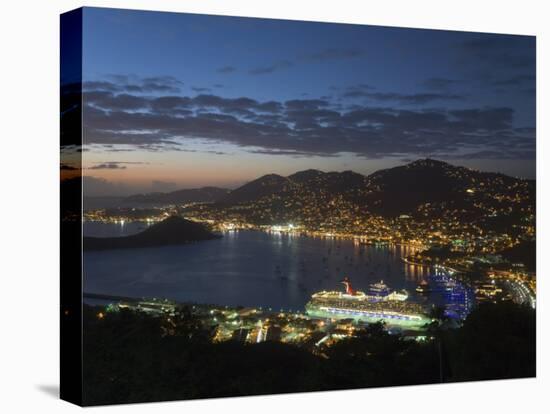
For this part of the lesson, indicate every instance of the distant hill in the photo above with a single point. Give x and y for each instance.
(192, 195)
(264, 186)
(424, 189)
(402, 189)
(306, 176)
(390, 192)
(296, 185)
(198, 195)
(171, 231)
(97, 202)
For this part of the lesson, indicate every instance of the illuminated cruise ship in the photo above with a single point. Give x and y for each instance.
(394, 309)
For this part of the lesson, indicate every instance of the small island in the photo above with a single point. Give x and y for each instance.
(171, 231)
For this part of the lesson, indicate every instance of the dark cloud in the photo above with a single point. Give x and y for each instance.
(491, 155)
(225, 103)
(169, 80)
(134, 84)
(226, 69)
(517, 80)
(302, 127)
(485, 119)
(102, 86)
(111, 101)
(174, 104)
(364, 91)
(262, 70)
(66, 167)
(114, 165)
(413, 99)
(294, 154)
(305, 104)
(234, 105)
(108, 166)
(180, 149)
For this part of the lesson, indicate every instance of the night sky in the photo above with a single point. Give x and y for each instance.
(179, 101)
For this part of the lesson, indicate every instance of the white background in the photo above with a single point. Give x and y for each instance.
(29, 235)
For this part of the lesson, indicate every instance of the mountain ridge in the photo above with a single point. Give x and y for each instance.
(387, 192)
(207, 194)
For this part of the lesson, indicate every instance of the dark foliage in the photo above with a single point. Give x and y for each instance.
(524, 252)
(496, 342)
(133, 357)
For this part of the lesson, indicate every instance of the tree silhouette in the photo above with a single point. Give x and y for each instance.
(135, 357)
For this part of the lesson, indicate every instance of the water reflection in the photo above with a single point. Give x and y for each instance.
(416, 273)
(117, 229)
(249, 268)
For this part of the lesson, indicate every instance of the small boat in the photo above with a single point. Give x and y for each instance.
(423, 288)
